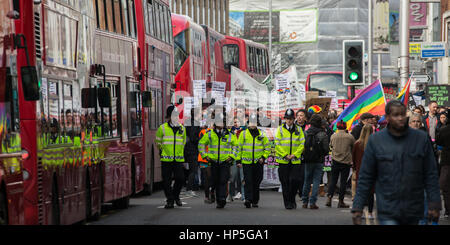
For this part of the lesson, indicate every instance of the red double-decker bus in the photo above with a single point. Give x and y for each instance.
(215, 72)
(249, 56)
(329, 81)
(11, 124)
(189, 53)
(155, 40)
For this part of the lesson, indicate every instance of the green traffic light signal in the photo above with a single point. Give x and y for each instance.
(353, 76)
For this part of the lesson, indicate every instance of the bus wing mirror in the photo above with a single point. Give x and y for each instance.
(146, 99)
(180, 100)
(104, 97)
(88, 98)
(30, 83)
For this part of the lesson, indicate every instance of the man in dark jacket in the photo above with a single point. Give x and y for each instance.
(365, 118)
(443, 139)
(399, 161)
(315, 135)
(191, 150)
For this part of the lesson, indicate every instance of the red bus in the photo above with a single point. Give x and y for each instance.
(249, 56)
(190, 53)
(84, 134)
(329, 81)
(11, 124)
(156, 69)
(215, 72)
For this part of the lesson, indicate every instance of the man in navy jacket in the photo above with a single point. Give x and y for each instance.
(399, 161)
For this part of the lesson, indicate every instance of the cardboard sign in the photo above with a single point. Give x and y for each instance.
(323, 103)
(312, 94)
(439, 93)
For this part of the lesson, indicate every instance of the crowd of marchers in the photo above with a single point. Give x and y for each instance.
(401, 161)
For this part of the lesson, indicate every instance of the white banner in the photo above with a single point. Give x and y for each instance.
(199, 88)
(298, 25)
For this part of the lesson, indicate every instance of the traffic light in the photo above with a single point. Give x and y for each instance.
(352, 62)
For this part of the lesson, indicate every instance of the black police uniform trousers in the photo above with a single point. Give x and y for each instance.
(220, 173)
(174, 169)
(289, 175)
(253, 175)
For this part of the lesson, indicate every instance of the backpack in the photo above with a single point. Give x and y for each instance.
(313, 152)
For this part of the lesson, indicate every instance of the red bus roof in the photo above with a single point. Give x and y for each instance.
(325, 72)
(183, 22)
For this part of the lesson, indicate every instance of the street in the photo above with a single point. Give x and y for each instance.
(149, 210)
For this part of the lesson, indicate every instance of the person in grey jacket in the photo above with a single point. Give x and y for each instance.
(399, 161)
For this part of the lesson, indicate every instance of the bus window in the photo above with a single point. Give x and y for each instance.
(67, 109)
(212, 51)
(146, 17)
(150, 17)
(125, 15)
(132, 18)
(328, 82)
(157, 21)
(53, 110)
(153, 121)
(118, 17)
(169, 26)
(151, 62)
(230, 56)
(163, 23)
(181, 43)
(109, 15)
(134, 108)
(100, 13)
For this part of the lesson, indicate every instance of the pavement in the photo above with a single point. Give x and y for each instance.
(149, 210)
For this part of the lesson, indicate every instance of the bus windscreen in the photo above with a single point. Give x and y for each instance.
(328, 82)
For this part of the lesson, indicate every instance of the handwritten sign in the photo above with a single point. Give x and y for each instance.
(439, 93)
(323, 103)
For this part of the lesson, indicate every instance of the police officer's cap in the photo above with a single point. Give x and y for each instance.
(289, 114)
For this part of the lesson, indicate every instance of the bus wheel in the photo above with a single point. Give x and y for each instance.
(122, 203)
(55, 204)
(3, 208)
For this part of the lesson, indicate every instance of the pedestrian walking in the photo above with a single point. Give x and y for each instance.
(191, 151)
(302, 118)
(341, 144)
(316, 147)
(366, 118)
(254, 149)
(205, 170)
(357, 155)
(222, 150)
(443, 140)
(430, 119)
(171, 139)
(400, 171)
(236, 183)
(289, 145)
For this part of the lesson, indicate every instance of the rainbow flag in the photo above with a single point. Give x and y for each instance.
(371, 99)
(403, 96)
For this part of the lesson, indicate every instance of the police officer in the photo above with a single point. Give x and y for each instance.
(171, 138)
(222, 149)
(289, 145)
(253, 150)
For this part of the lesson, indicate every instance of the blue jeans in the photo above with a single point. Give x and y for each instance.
(237, 177)
(313, 174)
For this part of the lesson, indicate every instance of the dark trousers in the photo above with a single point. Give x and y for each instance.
(220, 173)
(175, 169)
(206, 180)
(444, 182)
(339, 169)
(253, 175)
(193, 169)
(370, 201)
(289, 175)
(302, 179)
